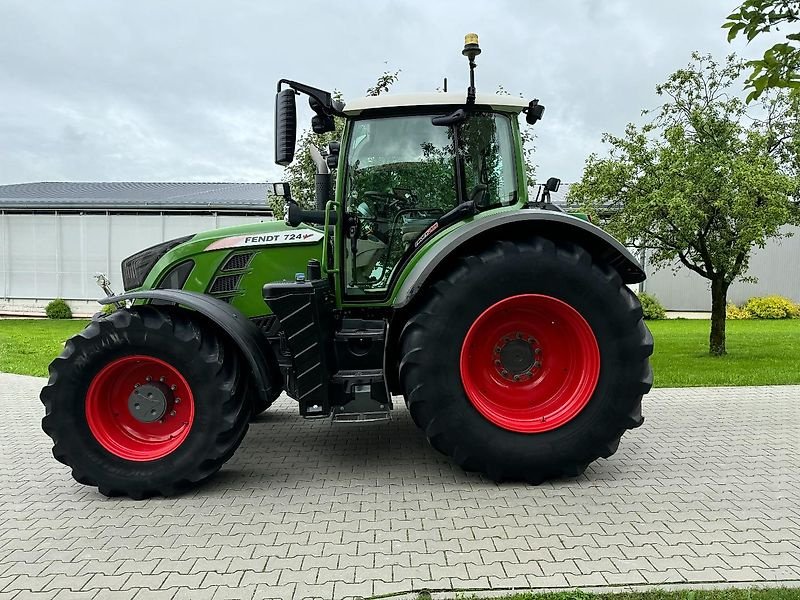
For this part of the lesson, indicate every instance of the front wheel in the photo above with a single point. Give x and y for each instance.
(526, 361)
(145, 401)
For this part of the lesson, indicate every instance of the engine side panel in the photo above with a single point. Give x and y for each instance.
(232, 264)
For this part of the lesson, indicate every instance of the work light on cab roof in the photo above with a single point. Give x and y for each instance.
(429, 272)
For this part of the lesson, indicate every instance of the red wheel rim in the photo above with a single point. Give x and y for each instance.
(530, 363)
(128, 423)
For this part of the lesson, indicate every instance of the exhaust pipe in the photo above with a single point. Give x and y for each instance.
(322, 180)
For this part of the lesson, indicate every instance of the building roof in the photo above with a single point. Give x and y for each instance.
(139, 196)
(501, 102)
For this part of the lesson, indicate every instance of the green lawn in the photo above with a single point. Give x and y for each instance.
(760, 352)
(721, 594)
(28, 345)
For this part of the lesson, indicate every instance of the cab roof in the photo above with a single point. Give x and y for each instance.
(498, 102)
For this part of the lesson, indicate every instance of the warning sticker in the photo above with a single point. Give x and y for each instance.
(297, 236)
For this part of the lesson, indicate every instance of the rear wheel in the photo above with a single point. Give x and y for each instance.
(144, 402)
(526, 361)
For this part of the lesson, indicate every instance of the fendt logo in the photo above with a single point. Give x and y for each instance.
(260, 239)
(300, 236)
(278, 237)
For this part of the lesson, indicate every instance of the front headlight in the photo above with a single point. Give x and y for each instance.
(136, 267)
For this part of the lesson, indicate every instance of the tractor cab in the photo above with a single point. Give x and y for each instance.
(407, 176)
(409, 166)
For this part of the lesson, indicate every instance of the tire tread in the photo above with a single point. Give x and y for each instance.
(421, 398)
(221, 360)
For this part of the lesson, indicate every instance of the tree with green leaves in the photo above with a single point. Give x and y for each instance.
(703, 183)
(780, 65)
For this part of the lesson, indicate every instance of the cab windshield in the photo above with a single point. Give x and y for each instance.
(403, 173)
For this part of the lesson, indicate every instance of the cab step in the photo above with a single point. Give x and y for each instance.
(366, 391)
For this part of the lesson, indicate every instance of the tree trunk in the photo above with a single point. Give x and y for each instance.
(719, 303)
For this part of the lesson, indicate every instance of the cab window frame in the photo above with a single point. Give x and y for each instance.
(351, 295)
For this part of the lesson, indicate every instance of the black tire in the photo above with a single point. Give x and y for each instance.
(431, 343)
(208, 365)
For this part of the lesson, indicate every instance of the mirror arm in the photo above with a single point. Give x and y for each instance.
(325, 99)
(459, 116)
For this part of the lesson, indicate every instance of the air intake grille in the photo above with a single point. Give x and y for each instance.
(225, 284)
(237, 262)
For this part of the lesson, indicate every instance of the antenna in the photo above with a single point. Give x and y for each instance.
(471, 50)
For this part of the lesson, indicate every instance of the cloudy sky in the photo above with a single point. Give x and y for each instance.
(182, 90)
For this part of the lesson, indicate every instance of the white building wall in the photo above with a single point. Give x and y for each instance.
(776, 266)
(45, 256)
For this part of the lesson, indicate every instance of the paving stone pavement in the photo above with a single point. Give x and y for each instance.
(708, 490)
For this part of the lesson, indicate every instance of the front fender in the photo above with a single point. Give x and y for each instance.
(231, 322)
(516, 224)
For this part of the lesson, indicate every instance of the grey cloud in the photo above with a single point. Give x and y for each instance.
(182, 90)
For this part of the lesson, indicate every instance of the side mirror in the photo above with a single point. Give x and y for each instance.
(282, 190)
(534, 112)
(285, 126)
(552, 184)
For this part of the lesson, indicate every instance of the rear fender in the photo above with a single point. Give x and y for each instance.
(512, 225)
(519, 224)
(231, 323)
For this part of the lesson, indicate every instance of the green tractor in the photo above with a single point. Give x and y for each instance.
(506, 324)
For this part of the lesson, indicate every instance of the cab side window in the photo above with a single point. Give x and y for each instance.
(487, 153)
(400, 179)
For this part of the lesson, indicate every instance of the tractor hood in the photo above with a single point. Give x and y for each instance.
(233, 263)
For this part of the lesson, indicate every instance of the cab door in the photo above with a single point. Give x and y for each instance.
(399, 179)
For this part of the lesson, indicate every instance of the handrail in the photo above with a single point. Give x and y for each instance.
(329, 205)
